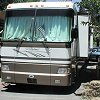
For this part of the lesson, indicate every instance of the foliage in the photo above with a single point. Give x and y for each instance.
(93, 9)
(3, 4)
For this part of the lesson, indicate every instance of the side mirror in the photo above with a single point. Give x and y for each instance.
(74, 33)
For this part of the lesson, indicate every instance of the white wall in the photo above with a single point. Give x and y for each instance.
(83, 36)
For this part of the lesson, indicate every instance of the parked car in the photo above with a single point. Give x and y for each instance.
(94, 53)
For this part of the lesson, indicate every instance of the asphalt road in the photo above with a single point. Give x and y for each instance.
(33, 92)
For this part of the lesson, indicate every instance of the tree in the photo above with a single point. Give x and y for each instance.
(3, 4)
(93, 9)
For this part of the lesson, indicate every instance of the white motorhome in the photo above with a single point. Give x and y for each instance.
(40, 42)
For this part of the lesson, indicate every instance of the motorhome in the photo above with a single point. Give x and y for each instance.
(40, 43)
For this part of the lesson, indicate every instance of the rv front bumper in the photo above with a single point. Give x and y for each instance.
(36, 78)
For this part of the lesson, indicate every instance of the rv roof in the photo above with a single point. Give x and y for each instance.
(67, 4)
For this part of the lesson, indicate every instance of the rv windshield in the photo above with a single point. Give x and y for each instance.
(38, 28)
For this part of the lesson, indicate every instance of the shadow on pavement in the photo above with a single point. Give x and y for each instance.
(85, 74)
(39, 89)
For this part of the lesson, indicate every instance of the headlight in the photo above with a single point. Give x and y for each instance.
(63, 71)
(5, 68)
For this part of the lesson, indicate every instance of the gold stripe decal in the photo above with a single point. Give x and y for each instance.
(38, 74)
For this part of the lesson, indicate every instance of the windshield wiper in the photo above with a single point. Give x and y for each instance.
(20, 41)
